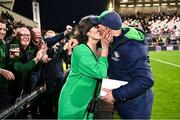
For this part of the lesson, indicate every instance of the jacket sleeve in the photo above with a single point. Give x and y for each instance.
(90, 67)
(51, 41)
(20, 67)
(62, 54)
(138, 67)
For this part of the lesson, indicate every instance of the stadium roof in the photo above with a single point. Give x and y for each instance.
(7, 3)
(134, 2)
(144, 1)
(144, 6)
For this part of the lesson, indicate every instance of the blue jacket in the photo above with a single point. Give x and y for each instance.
(129, 61)
(53, 40)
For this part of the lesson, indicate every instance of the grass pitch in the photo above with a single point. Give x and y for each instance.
(165, 66)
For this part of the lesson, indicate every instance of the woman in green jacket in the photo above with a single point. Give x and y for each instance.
(86, 68)
(23, 65)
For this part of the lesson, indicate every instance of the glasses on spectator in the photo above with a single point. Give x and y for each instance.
(3, 29)
(28, 35)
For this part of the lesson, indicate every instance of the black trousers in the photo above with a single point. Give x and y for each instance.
(5, 98)
(104, 110)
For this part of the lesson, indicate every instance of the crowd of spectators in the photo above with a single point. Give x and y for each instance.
(30, 60)
(160, 28)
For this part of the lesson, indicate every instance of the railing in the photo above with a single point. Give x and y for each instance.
(162, 40)
(25, 101)
(164, 48)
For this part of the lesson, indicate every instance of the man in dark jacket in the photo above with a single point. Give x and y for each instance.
(51, 72)
(128, 61)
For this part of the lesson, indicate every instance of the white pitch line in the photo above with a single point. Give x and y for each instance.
(165, 62)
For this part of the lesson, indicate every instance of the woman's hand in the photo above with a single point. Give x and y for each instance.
(106, 38)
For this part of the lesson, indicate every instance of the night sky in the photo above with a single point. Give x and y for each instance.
(56, 14)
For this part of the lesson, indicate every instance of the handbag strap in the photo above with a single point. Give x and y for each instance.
(95, 94)
(98, 80)
(92, 52)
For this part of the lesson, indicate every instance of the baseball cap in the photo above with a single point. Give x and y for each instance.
(109, 19)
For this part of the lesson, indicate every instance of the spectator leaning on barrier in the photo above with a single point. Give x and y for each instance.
(51, 73)
(36, 81)
(36, 43)
(128, 61)
(25, 63)
(5, 74)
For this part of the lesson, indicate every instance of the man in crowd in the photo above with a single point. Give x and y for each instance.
(4, 74)
(51, 73)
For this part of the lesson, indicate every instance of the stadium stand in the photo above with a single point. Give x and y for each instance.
(18, 17)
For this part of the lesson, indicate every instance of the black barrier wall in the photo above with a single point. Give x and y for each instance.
(20, 105)
(164, 48)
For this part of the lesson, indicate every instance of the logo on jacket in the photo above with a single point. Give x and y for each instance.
(116, 56)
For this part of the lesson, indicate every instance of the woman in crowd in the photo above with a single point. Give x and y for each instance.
(86, 68)
(25, 63)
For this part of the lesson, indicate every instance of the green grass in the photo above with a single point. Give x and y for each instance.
(167, 85)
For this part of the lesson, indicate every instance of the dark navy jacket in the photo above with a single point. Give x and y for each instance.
(37, 72)
(129, 61)
(53, 40)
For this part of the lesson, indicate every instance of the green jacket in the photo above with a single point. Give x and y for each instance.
(134, 34)
(81, 82)
(22, 67)
(3, 58)
(24, 63)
